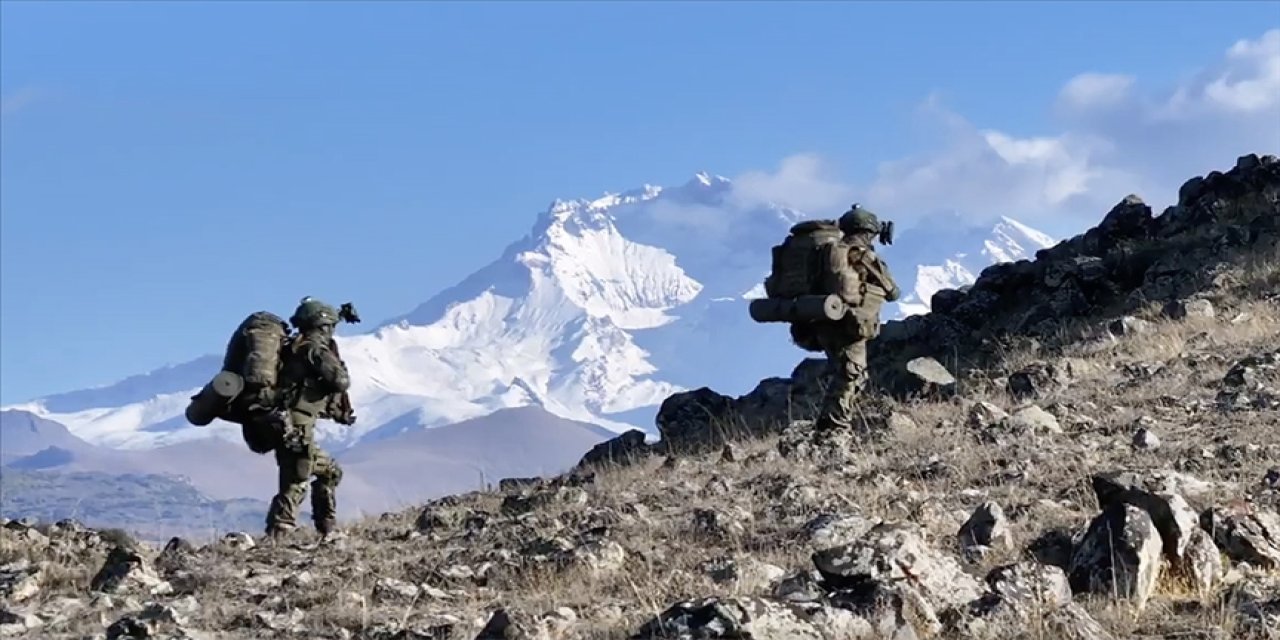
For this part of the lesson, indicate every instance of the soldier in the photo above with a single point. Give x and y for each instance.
(862, 280)
(312, 376)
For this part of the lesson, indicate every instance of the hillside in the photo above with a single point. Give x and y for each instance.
(153, 507)
(1113, 477)
(606, 307)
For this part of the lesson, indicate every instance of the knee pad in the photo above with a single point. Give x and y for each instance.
(331, 476)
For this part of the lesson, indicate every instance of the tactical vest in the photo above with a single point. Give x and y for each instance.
(301, 389)
(873, 287)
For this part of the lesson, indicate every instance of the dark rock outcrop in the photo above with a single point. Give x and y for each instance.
(1127, 260)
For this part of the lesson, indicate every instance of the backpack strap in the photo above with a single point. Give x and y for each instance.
(872, 265)
(839, 274)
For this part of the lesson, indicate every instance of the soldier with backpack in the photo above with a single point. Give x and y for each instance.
(275, 384)
(862, 281)
(828, 283)
(312, 375)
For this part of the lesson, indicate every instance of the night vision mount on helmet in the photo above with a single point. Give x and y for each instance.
(858, 219)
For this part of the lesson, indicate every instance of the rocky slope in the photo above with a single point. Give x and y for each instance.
(1113, 478)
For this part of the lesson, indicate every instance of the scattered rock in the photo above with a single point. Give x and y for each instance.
(1128, 326)
(13, 622)
(730, 454)
(1256, 598)
(1253, 383)
(392, 590)
(1201, 563)
(238, 540)
(1034, 420)
(624, 449)
(19, 581)
(984, 415)
(1119, 555)
(753, 618)
(1175, 520)
(1036, 380)
(729, 523)
(748, 576)
(1245, 534)
(986, 529)
(686, 420)
(830, 530)
(125, 571)
(930, 377)
(1183, 309)
(1030, 586)
(288, 622)
(892, 553)
(1145, 439)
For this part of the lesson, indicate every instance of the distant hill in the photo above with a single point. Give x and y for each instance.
(23, 434)
(427, 463)
(152, 507)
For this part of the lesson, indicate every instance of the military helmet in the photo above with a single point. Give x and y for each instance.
(858, 219)
(313, 313)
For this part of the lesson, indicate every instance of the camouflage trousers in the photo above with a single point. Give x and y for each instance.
(847, 377)
(300, 459)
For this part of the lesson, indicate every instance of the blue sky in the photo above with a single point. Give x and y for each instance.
(166, 168)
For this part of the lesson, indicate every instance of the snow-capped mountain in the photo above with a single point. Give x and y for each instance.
(601, 311)
(968, 250)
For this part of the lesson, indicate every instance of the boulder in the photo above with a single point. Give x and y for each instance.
(893, 554)
(125, 571)
(1172, 516)
(928, 376)
(1119, 555)
(1183, 309)
(1245, 534)
(754, 618)
(694, 418)
(1036, 380)
(986, 529)
(624, 449)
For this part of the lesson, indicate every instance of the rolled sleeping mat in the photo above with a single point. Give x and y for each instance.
(800, 309)
(828, 307)
(214, 398)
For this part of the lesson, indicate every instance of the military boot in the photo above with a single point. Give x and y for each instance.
(281, 534)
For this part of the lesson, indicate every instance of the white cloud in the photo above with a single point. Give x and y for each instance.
(1249, 80)
(1089, 90)
(1115, 137)
(801, 182)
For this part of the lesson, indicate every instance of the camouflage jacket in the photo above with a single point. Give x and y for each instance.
(855, 272)
(312, 375)
(862, 279)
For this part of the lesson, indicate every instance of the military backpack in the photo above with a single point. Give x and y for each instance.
(245, 391)
(796, 288)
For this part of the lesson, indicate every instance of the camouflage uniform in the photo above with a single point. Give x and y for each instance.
(312, 373)
(862, 280)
